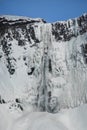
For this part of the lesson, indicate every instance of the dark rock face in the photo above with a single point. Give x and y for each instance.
(32, 70)
(14, 30)
(8, 23)
(64, 31)
(7, 51)
(2, 100)
(50, 66)
(32, 34)
(84, 52)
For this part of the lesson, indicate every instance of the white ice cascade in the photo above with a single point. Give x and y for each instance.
(46, 30)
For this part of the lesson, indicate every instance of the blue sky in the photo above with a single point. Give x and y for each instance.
(50, 10)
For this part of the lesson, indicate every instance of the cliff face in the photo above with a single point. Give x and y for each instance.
(42, 65)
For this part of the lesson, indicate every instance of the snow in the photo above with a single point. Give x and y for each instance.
(67, 81)
(65, 86)
(14, 18)
(71, 119)
(6, 88)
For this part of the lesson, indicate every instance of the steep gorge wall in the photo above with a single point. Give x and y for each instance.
(45, 64)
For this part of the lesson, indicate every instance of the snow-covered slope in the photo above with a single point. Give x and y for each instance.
(43, 66)
(71, 119)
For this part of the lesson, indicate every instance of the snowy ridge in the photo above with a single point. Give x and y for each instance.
(13, 18)
(8, 20)
(43, 66)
